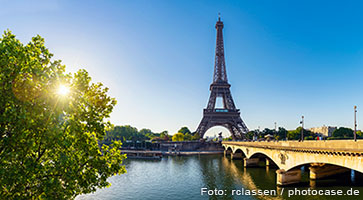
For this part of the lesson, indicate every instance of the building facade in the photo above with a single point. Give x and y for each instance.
(325, 131)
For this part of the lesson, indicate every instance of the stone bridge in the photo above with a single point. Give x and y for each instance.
(324, 158)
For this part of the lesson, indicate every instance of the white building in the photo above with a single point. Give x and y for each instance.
(325, 131)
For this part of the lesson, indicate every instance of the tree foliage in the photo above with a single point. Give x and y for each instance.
(281, 134)
(296, 134)
(249, 135)
(49, 142)
(184, 134)
(178, 137)
(164, 134)
(267, 131)
(360, 134)
(195, 136)
(185, 130)
(343, 132)
(187, 137)
(127, 132)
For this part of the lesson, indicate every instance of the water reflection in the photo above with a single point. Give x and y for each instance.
(245, 176)
(215, 177)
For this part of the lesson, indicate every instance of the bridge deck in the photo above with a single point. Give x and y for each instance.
(337, 146)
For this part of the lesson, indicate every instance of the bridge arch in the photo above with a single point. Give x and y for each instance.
(237, 153)
(240, 151)
(227, 150)
(261, 154)
(309, 163)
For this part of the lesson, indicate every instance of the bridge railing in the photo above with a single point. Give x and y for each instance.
(326, 145)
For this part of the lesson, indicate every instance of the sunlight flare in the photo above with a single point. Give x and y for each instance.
(63, 90)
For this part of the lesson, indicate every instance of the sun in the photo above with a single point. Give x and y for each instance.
(63, 90)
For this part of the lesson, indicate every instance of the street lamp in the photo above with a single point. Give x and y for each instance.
(355, 123)
(302, 128)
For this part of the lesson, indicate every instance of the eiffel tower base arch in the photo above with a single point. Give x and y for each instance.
(230, 120)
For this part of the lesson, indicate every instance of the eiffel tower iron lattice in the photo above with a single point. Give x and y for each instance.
(228, 116)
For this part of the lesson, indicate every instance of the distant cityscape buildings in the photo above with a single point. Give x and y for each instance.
(324, 131)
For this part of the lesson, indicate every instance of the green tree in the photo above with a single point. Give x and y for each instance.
(343, 132)
(281, 133)
(147, 133)
(177, 137)
(187, 137)
(129, 133)
(293, 135)
(250, 134)
(360, 134)
(122, 133)
(184, 130)
(228, 139)
(196, 136)
(164, 135)
(296, 134)
(48, 138)
(267, 131)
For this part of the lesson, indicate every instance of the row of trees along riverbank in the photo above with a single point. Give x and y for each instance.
(128, 133)
(282, 134)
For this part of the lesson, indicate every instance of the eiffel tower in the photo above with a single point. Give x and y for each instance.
(229, 115)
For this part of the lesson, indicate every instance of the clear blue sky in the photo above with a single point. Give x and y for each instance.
(284, 59)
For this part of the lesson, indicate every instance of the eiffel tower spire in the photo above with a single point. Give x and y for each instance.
(220, 74)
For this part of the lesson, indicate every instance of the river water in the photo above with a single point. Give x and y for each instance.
(183, 177)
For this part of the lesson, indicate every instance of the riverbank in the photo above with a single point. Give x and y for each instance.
(189, 153)
(148, 154)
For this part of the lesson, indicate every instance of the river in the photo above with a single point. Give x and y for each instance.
(183, 177)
